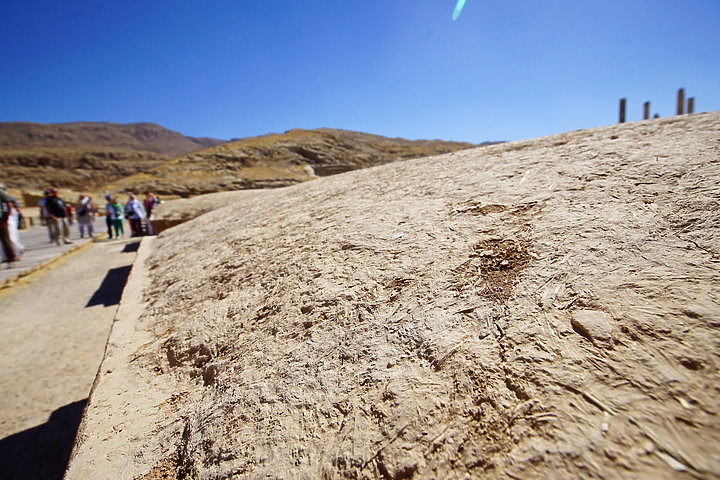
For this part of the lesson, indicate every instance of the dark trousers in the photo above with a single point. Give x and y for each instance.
(136, 227)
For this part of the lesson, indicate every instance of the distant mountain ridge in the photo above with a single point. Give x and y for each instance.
(118, 158)
(85, 155)
(133, 136)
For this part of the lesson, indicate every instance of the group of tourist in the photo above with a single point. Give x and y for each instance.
(58, 215)
(137, 213)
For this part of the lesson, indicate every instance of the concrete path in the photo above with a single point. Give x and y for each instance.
(39, 252)
(54, 326)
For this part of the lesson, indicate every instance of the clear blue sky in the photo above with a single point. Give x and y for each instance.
(505, 70)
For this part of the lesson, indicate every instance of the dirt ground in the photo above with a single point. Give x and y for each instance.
(544, 308)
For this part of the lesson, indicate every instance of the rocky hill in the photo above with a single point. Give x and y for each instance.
(120, 158)
(83, 156)
(547, 308)
(278, 160)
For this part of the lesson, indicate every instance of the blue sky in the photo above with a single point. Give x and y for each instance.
(505, 70)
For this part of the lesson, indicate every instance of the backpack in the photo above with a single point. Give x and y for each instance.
(4, 210)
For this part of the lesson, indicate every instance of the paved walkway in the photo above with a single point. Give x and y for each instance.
(55, 325)
(39, 252)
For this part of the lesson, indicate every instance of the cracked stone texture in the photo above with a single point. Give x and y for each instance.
(414, 321)
(594, 325)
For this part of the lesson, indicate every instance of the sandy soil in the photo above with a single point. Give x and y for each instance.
(545, 308)
(55, 324)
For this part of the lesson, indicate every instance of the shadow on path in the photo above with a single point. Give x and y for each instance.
(42, 452)
(131, 247)
(110, 290)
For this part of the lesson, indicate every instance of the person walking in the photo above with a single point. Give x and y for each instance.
(14, 222)
(149, 204)
(109, 211)
(59, 226)
(44, 214)
(7, 247)
(135, 214)
(117, 216)
(85, 212)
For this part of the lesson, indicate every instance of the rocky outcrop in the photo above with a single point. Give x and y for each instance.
(539, 309)
(77, 170)
(279, 160)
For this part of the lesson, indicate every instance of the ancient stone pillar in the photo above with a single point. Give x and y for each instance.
(680, 101)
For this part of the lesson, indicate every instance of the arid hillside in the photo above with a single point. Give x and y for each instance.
(278, 160)
(119, 158)
(83, 156)
(547, 308)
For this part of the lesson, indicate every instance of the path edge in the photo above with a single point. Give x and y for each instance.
(102, 441)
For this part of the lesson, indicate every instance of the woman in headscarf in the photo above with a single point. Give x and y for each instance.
(85, 212)
(135, 213)
(10, 246)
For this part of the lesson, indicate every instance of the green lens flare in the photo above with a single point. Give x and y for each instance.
(458, 9)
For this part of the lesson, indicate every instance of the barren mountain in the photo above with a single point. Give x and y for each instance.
(547, 308)
(278, 160)
(85, 155)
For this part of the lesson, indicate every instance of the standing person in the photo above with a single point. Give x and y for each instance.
(44, 214)
(69, 213)
(6, 245)
(109, 211)
(13, 226)
(85, 212)
(150, 202)
(58, 218)
(117, 216)
(21, 220)
(135, 214)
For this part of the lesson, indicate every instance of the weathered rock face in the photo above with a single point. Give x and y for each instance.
(177, 211)
(415, 320)
(595, 326)
(77, 170)
(84, 156)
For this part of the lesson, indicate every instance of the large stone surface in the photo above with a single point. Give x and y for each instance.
(411, 321)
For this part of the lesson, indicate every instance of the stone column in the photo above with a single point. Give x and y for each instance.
(680, 101)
